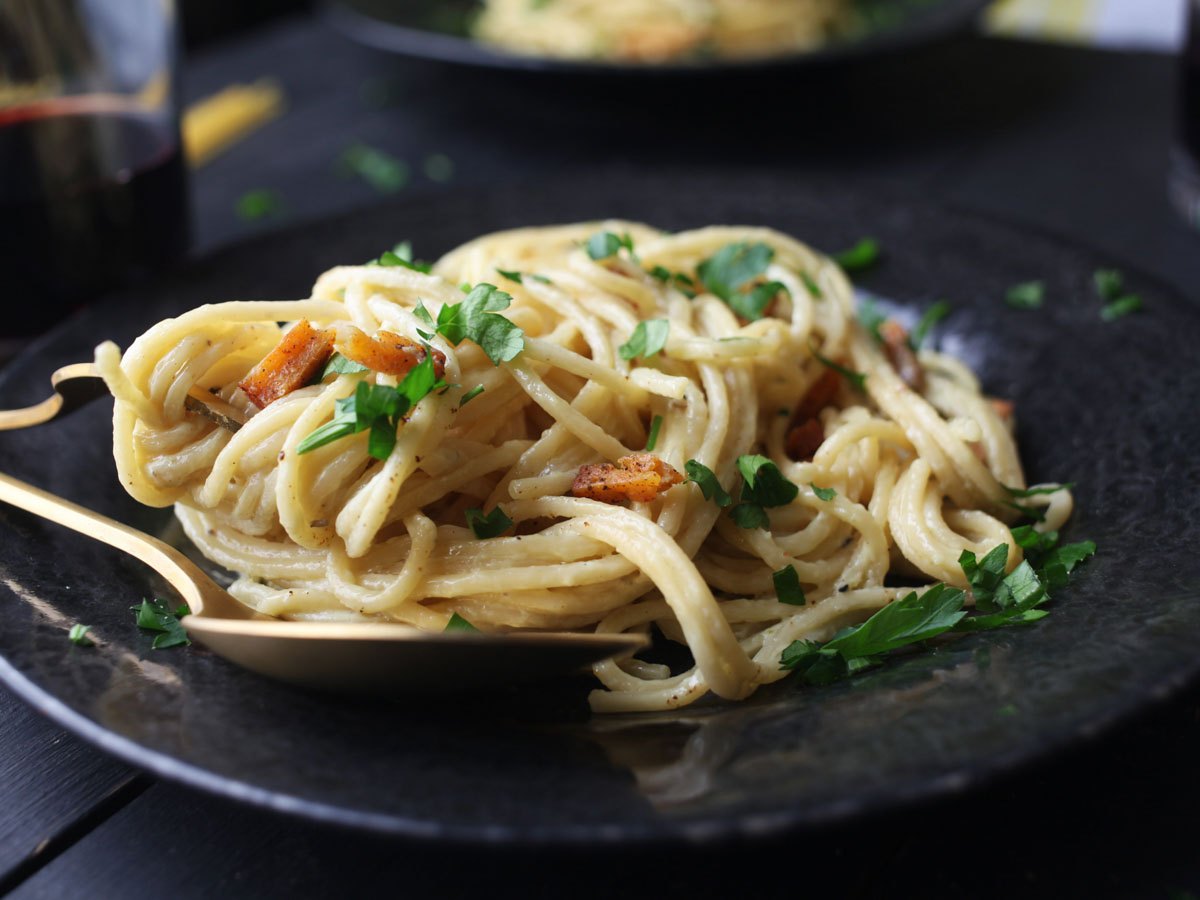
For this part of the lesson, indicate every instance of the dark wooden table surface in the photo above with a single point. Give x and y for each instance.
(1065, 140)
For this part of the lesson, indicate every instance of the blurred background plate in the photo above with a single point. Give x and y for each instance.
(1097, 403)
(440, 30)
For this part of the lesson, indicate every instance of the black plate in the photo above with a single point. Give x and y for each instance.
(439, 30)
(1108, 406)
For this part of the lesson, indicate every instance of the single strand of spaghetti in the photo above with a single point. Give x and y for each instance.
(419, 494)
(566, 415)
(295, 515)
(606, 376)
(423, 533)
(243, 553)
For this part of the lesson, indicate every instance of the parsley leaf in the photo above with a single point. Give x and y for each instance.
(858, 379)
(1027, 295)
(458, 623)
(749, 516)
(826, 494)
(155, 615)
(340, 365)
(494, 523)
(476, 319)
(470, 395)
(813, 288)
(1010, 599)
(929, 318)
(1033, 492)
(861, 256)
(383, 171)
(1120, 307)
(710, 487)
(732, 267)
(787, 586)
(78, 635)
(259, 204)
(648, 338)
(511, 276)
(604, 244)
(652, 437)
(1110, 284)
(377, 407)
(763, 485)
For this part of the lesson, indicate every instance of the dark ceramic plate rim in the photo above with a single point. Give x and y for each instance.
(977, 772)
(439, 46)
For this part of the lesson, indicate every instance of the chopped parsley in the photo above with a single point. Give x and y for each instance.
(648, 338)
(155, 615)
(1118, 303)
(458, 623)
(604, 244)
(858, 379)
(340, 365)
(476, 319)
(811, 286)
(1001, 599)
(763, 485)
(787, 586)
(734, 266)
(470, 395)
(1027, 295)
(494, 523)
(438, 167)
(377, 407)
(383, 171)
(825, 494)
(710, 487)
(929, 318)
(259, 204)
(861, 256)
(871, 317)
(652, 438)
(401, 255)
(78, 635)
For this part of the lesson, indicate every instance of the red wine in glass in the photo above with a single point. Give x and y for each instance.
(92, 193)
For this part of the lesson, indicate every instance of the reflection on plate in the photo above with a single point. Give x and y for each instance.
(1097, 405)
(441, 30)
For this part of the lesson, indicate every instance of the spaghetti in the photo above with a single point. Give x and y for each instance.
(658, 30)
(885, 478)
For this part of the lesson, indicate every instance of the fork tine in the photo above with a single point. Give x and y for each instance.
(75, 385)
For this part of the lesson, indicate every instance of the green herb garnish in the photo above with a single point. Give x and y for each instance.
(604, 244)
(438, 167)
(652, 437)
(458, 623)
(710, 487)
(494, 523)
(1110, 285)
(825, 494)
(1027, 295)
(858, 379)
(377, 407)
(476, 319)
(1004, 600)
(812, 287)
(648, 338)
(929, 318)
(78, 635)
(340, 365)
(1120, 307)
(259, 204)
(470, 395)
(861, 256)
(155, 615)
(734, 266)
(383, 171)
(787, 586)
(871, 317)
(763, 485)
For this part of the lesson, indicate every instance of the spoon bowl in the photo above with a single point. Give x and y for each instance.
(362, 657)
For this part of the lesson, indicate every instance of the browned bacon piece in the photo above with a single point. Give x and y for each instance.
(805, 432)
(388, 353)
(901, 355)
(642, 476)
(292, 364)
(1004, 408)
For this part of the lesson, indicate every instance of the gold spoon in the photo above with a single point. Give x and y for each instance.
(367, 657)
